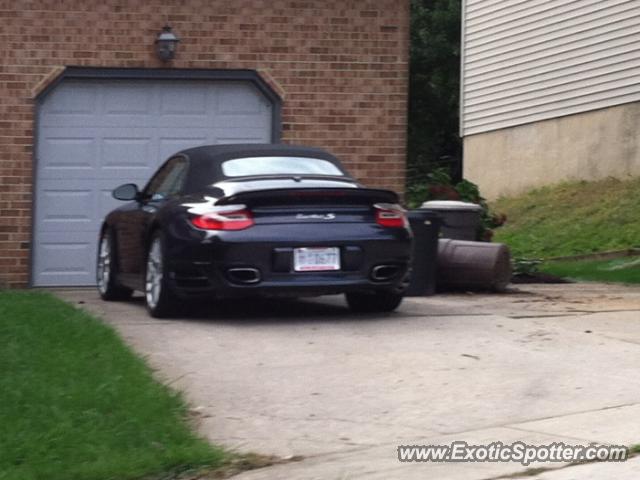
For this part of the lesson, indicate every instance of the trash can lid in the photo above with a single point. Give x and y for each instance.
(451, 205)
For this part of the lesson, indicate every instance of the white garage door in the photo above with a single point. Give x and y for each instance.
(95, 135)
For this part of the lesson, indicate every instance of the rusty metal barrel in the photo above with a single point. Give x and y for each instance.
(464, 265)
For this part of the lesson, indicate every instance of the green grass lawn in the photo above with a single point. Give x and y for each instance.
(571, 219)
(623, 270)
(76, 403)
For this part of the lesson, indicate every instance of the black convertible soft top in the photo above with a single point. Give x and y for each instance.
(206, 160)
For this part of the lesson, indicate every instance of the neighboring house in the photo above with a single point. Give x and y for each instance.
(86, 105)
(551, 92)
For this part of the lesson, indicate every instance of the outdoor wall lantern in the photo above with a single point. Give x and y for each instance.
(166, 44)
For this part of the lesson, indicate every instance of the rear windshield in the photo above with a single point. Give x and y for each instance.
(245, 167)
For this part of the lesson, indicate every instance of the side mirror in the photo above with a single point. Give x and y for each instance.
(126, 192)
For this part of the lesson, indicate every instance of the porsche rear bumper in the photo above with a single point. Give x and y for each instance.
(260, 262)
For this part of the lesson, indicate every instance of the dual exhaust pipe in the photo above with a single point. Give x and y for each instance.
(251, 276)
(384, 273)
(244, 275)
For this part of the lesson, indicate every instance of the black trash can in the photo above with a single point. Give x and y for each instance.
(460, 220)
(425, 225)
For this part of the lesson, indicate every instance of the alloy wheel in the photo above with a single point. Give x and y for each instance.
(153, 280)
(103, 271)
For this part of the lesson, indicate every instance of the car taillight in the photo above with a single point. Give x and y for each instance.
(224, 219)
(390, 216)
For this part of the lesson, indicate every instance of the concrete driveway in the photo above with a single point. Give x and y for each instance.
(307, 378)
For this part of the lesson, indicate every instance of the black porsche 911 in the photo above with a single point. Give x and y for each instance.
(253, 220)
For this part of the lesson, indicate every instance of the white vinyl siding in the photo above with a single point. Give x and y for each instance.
(530, 60)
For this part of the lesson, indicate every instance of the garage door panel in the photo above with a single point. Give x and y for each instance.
(65, 259)
(175, 100)
(66, 205)
(126, 99)
(113, 174)
(120, 143)
(127, 152)
(65, 209)
(103, 121)
(239, 99)
(96, 135)
(77, 120)
(71, 99)
(65, 153)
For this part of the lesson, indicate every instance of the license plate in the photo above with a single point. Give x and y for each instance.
(316, 259)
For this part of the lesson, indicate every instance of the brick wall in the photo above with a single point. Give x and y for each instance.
(341, 67)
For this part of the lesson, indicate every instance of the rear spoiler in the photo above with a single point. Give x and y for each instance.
(310, 196)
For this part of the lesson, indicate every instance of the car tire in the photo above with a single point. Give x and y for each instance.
(159, 297)
(106, 269)
(383, 301)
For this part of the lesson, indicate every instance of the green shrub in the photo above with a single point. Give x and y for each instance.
(526, 266)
